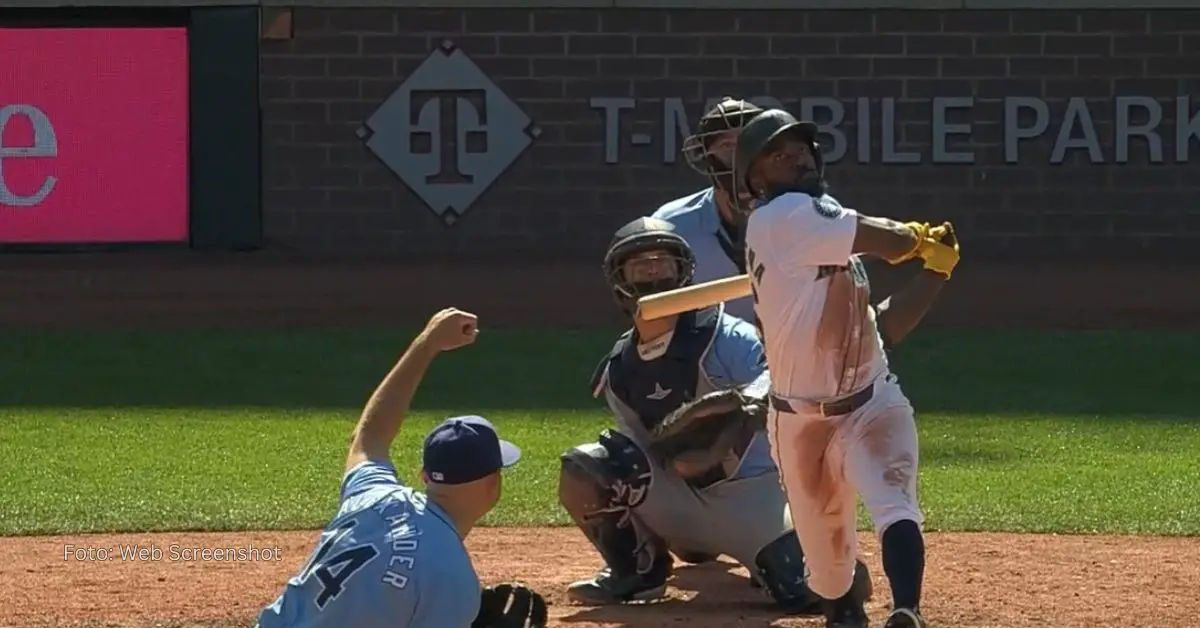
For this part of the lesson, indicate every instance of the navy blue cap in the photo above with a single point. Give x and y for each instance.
(466, 448)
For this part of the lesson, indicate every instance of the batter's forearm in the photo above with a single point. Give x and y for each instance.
(900, 313)
(884, 238)
(385, 410)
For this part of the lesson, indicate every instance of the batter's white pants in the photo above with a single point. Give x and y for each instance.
(824, 461)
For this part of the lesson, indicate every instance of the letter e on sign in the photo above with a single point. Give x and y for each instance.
(26, 135)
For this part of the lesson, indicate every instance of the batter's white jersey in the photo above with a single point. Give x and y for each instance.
(812, 298)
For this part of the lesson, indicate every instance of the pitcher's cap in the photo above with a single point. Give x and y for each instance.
(466, 448)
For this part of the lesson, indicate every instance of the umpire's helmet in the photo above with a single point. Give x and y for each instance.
(704, 150)
(762, 136)
(673, 266)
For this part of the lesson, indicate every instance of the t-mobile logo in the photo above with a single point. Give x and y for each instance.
(45, 144)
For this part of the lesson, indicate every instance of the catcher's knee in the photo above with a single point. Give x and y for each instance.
(780, 568)
(613, 463)
(600, 484)
(614, 467)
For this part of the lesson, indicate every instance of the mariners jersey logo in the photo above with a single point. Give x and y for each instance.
(827, 207)
(659, 392)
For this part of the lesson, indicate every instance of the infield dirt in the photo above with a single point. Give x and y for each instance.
(973, 580)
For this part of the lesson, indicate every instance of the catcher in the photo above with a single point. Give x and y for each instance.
(688, 468)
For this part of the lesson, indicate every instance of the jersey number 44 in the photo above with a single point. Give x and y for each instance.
(332, 571)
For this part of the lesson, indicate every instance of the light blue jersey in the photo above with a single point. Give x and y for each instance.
(389, 559)
(737, 359)
(734, 358)
(696, 218)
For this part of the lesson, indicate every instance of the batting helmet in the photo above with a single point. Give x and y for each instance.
(763, 135)
(704, 151)
(646, 235)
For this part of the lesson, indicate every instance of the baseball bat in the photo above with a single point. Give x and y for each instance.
(695, 297)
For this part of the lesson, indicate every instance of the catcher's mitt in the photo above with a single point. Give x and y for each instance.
(510, 605)
(702, 433)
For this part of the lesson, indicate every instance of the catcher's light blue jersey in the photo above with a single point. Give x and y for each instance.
(734, 359)
(389, 559)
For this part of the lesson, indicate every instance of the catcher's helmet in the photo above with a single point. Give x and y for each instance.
(762, 135)
(642, 236)
(703, 150)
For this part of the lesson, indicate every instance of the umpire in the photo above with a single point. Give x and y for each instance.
(707, 219)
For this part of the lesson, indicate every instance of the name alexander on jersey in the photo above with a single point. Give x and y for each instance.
(404, 542)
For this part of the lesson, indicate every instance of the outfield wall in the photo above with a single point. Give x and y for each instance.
(1013, 124)
(512, 135)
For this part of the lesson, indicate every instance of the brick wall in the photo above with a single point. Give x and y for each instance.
(324, 191)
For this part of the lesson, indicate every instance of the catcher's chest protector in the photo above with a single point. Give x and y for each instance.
(654, 388)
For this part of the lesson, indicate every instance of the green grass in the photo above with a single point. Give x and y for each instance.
(215, 430)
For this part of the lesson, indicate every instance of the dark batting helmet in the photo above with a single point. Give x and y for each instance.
(765, 134)
(642, 236)
(703, 150)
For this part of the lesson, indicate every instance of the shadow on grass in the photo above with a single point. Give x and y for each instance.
(1125, 374)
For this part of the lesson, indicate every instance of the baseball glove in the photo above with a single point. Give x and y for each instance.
(510, 605)
(702, 433)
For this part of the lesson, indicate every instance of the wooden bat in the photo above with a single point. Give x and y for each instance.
(694, 297)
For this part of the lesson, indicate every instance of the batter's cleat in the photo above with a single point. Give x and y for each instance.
(905, 618)
(603, 589)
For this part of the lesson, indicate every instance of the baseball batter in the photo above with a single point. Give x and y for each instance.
(839, 422)
(393, 557)
(637, 496)
(709, 219)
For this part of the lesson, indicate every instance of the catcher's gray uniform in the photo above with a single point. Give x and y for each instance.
(639, 505)
(718, 351)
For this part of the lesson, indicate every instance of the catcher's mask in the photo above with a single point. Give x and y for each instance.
(776, 153)
(646, 257)
(710, 150)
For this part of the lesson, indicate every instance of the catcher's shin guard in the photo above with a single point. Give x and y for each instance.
(780, 568)
(599, 486)
(848, 611)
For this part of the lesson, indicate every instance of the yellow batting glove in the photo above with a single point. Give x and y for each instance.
(921, 231)
(940, 250)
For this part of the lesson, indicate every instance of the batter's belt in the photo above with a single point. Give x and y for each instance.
(830, 407)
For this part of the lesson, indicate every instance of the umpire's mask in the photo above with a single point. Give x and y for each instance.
(646, 257)
(710, 150)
